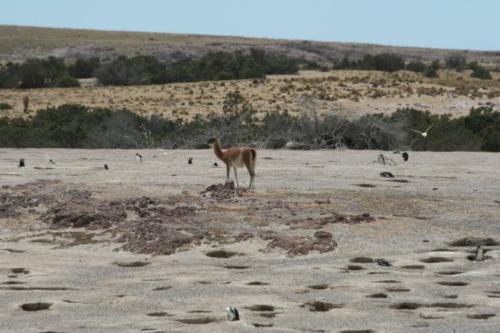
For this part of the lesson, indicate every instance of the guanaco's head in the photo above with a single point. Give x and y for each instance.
(212, 141)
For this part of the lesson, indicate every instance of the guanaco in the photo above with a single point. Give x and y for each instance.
(236, 157)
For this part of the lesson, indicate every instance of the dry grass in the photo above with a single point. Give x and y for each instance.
(348, 93)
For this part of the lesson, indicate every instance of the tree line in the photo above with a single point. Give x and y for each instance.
(143, 69)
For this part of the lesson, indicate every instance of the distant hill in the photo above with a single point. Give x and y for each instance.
(18, 43)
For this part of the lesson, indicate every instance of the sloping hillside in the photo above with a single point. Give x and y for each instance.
(18, 43)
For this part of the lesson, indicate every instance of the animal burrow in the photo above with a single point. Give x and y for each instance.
(320, 306)
(157, 314)
(197, 321)
(398, 290)
(414, 305)
(413, 267)
(35, 306)
(257, 283)
(262, 325)
(223, 254)
(318, 286)
(261, 308)
(434, 260)
(130, 264)
(362, 260)
(453, 283)
(236, 266)
(377, 295)
(481, 316)
(450, 272)
(354, 268)
(160, 288)
(20, 270)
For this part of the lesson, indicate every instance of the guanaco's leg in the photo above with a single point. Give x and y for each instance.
(228, 172)
(252, 176)
(236, 177)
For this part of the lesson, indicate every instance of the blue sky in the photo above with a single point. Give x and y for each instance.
(462, 24)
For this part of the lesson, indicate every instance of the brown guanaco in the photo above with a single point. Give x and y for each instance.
(236, 157)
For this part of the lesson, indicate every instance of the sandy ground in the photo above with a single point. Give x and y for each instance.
(431, 285)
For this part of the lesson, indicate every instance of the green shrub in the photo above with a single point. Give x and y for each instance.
(77, 126)
(416, 66)
(66, 82)
(432, 70)
(479, 72)
(5, 106)
(84, 67)
(456, 62)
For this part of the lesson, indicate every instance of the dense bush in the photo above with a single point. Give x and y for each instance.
(456, 62)
(5, 106)
(479, 71)
(76, 126)
(130, 71)
(388, 62)
(36, 73)
(432, 70)
(66, 82)
(141, 69)
(212, 66)
(485, 122)
(416, 66)
(84, 68)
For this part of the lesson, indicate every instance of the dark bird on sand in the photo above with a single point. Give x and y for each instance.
(386, 174)
(139, 156)
(215, 164)
(106, 167)
(190, 160)
(51, 161)
(383, 262)
(232, 313)
(405, 156)
(21, 163)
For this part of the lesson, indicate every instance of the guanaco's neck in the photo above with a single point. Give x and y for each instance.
(218, 151)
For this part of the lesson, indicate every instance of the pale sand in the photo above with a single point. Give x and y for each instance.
(412, 220)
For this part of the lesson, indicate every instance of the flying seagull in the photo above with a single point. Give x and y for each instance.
(423, 134)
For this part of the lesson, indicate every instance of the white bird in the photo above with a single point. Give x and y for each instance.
(423, 134)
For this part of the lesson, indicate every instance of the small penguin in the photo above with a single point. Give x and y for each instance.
(215, 164)
(405, 156)
(232, 313)
(479, 253)
(21, 163)
(106, 167)
(190, 160)
(383, 262)
(51, 161)
(139, 156)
